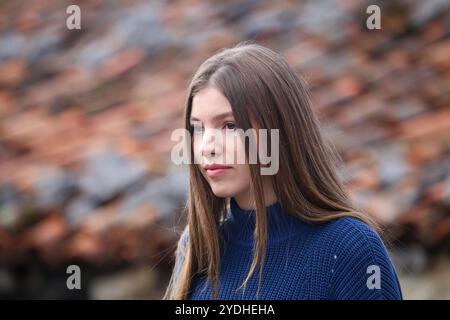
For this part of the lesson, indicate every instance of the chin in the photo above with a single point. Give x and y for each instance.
(222, 191)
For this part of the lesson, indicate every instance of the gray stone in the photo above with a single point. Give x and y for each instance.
(78, 209)
(261, 22)
(407, 108)
(235, 11)
(447, 190)
(409, 260)
(141, 26)
(97, 52)
(435, 172)
(392, 165)
(322, 17)
(12, 204)
(12, 45)
(43, 44)
(109, 173)
(54, 187)
(423, 11)
(166, 193)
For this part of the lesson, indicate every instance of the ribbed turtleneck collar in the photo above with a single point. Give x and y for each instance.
(241, 223)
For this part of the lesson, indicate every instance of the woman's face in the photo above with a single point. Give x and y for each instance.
(217, 155)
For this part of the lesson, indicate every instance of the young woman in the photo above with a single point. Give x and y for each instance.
(293, 234)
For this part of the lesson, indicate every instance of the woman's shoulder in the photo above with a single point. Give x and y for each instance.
(358, 255)
(353, 240)
(350, 230)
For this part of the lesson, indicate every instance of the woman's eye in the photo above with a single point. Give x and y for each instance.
(230, 126)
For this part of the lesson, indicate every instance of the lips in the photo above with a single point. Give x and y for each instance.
(214, 170)
(216, 166)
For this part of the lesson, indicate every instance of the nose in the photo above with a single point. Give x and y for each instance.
(210, 145)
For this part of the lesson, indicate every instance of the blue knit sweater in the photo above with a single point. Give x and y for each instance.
(340, 259)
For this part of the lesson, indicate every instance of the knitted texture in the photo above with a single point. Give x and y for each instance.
(334, 260)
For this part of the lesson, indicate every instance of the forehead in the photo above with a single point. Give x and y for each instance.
(209, 103)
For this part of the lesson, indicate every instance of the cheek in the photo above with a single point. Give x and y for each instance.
(235, 150)
(241, 179)
(196, 149)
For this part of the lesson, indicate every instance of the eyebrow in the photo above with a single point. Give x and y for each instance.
(216, 117)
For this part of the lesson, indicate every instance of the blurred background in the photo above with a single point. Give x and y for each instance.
(86, 117)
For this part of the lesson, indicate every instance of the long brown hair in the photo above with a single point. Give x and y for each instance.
(265, 91)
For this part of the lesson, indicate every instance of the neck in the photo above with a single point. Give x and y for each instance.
(246, 200)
